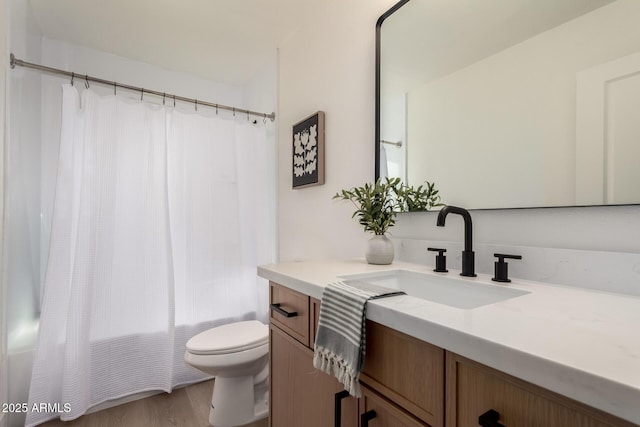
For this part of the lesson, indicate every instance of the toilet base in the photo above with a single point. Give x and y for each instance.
(237, 401)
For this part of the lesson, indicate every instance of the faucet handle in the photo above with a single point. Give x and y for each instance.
(441, 260)
(501, 270)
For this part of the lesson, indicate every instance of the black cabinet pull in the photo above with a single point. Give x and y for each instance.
(364, 418)
(283, 312)
(490, 419)
(337, 411)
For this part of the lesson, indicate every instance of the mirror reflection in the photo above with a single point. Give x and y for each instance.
(513, 103)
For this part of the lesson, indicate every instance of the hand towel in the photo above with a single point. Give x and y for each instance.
(339, 349)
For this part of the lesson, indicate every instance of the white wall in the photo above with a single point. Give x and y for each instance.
(329, 65)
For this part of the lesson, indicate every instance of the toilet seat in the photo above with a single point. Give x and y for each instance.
(230, 338)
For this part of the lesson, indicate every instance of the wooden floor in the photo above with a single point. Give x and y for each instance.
(184, 407)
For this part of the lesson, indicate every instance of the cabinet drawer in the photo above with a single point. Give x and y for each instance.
(290, 311)
(407, 371)
(386, 413)
(473, 389)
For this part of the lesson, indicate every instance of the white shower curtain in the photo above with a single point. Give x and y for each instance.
(156, 236)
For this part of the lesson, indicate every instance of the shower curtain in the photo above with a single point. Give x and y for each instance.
(156, 236)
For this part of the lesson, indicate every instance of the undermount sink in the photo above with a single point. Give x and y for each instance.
(451, 291)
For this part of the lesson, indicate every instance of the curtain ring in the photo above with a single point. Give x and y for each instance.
(86, 81)
(264, 119)
(141, 93)
(196, 105)
(164, 95)
(73, 75)
(174, 101)
(234, 111)
(247, 115)
(216, 109)
(114, 88)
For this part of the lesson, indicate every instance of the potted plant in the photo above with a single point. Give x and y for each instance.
(377, 206)
(376, 209)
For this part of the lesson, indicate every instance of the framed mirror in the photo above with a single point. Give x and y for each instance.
(511, 103)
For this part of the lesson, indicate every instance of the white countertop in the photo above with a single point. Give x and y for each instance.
(580, 343)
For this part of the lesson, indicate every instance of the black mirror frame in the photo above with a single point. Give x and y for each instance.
(379, 23)
(378, 56)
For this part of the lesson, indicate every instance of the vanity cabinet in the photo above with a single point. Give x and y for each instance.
(403, 380)
(301, 395)
(474, 389)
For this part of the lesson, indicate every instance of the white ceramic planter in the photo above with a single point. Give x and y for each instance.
(379, 250)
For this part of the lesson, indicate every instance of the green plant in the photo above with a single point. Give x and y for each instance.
(423, 198)
(376, 204)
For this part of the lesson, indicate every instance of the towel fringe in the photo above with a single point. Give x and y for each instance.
(332, 364)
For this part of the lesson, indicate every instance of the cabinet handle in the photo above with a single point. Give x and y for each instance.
(283, 312)
(337, 411)
(364, 418)
(490, 419)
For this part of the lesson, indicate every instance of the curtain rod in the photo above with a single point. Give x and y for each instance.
(15, 61)
(397, 144)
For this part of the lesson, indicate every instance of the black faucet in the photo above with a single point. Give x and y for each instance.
(468, 263)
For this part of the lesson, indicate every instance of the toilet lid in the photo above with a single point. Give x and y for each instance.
(230, 338)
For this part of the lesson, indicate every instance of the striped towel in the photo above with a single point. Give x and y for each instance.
(340, 340)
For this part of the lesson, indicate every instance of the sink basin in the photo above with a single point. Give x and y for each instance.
(451, 291)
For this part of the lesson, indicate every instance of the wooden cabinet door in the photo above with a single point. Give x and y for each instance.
(300, 394)
(473, 389)
(384, 413)
(407, 371)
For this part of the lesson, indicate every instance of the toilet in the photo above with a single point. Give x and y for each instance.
(237, 354)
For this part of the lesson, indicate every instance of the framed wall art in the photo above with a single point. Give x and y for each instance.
(308, 151)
